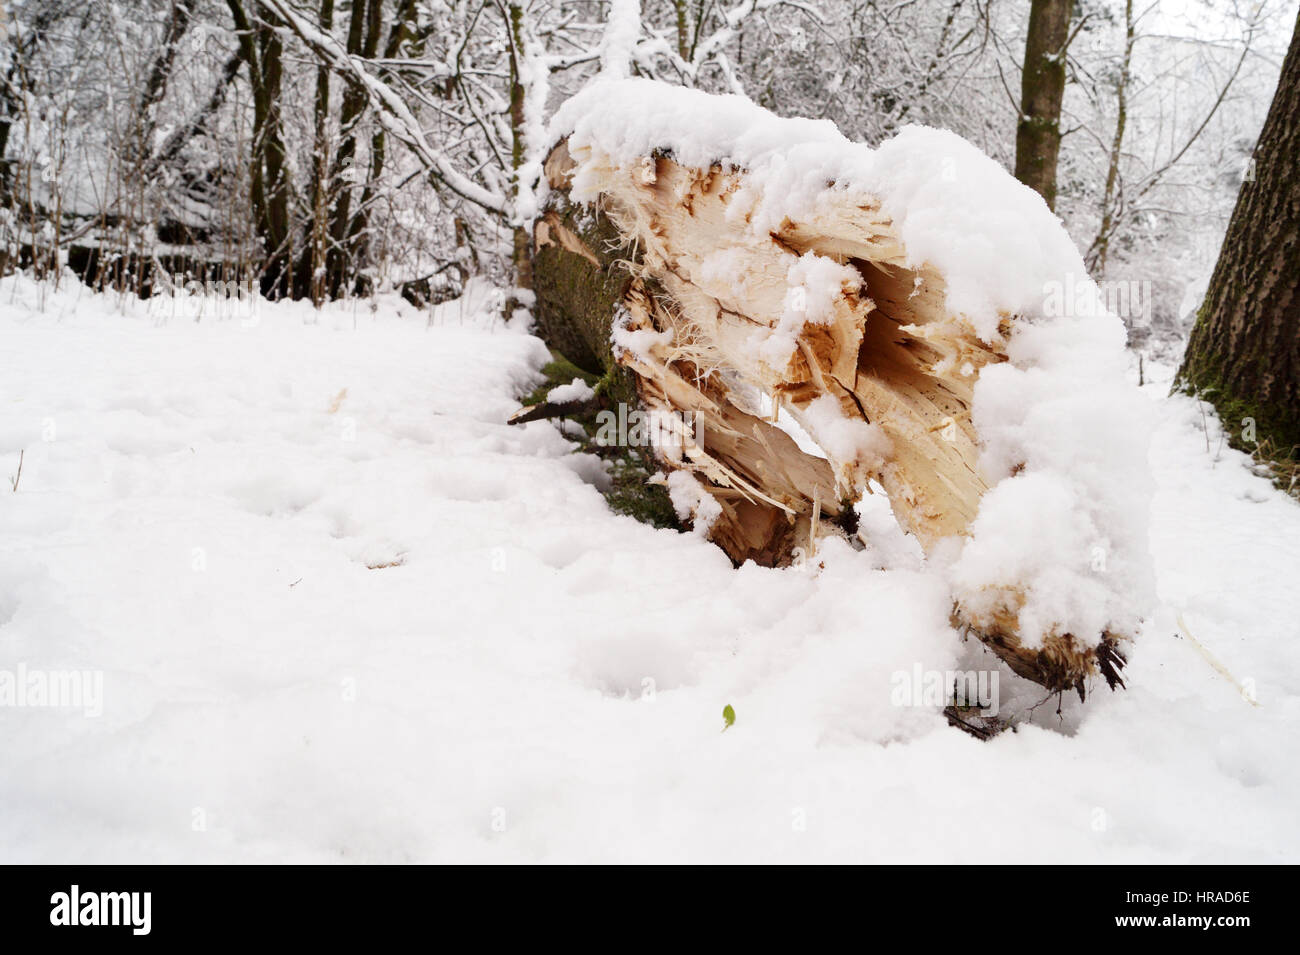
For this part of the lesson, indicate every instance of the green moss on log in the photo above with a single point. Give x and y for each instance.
(630, 469)
(1204, 376)
(633, 495)
(1275, 425)
(558, 371)
(577, 298)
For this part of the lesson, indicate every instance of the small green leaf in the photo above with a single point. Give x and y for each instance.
(728, 717)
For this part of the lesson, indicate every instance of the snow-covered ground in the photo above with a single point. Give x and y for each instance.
(342, 612)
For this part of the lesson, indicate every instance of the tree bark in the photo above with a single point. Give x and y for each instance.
(160, 72)
(1042, 86)
(12, 100)
(363, 41)
(1244, 352)
(179, 137)
(403, 28)
(278, 231)
(261, 48)
(521, 252)
(317, 279)
(1100, 248)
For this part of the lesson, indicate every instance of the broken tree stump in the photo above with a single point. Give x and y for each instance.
(655, 273)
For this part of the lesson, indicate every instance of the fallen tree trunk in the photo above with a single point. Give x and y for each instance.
(655, 269)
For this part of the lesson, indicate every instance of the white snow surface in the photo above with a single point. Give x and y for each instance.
(343, 613)
(813, 283)
(692, 501)
(576, 390)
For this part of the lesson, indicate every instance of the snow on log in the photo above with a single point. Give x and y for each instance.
(918, 313)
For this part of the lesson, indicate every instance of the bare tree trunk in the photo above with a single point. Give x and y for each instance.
(155, 87)
(403, 28)
(1042, 86)
(176, 141)
(683, 30)
(363, 41)
(279, 229)
(318, 280)
(521, 256)
(12, 102)
(270, 188)
(1244, 351)
(1100, 248)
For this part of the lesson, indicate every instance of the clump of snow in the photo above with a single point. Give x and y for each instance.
(621, 31)
(726, 268)
(576, 390)
(1031, 529)
(992, 237)
(693, 502)
(850, 441)
(637, 341)
(1070, 523)
(631, 118)
(813, 284)
(888, 545)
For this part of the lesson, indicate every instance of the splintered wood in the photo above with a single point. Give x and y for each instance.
(820, 319)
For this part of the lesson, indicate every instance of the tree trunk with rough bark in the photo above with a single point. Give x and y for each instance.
(261, 48)
(1042, 86)
(1244, 352)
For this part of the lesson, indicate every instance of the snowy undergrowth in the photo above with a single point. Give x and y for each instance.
(344, 613)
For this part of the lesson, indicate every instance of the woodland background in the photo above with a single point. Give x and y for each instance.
(331, 149)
